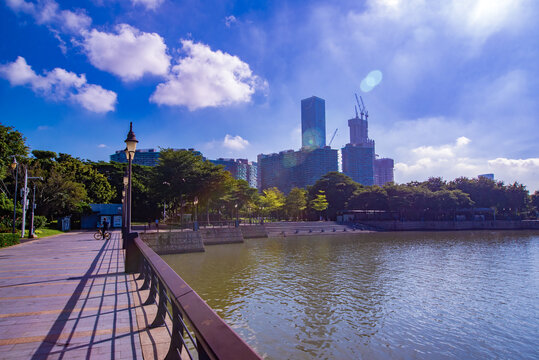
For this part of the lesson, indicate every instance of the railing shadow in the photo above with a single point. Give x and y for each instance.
(107, 259)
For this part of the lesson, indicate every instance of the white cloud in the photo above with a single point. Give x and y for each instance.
(448, 160)
(206, 78)
(480, 19)
(524, 171)
(130, 53)
(235, 142)
(60, 85)
(229, 20)
(42, 127)
(21, 5)
(95, 98)
(47, 12)
(453, 160)
(149, 4)
(101, 146)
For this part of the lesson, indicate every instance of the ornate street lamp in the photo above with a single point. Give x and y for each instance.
(131, 145)
(14, 167)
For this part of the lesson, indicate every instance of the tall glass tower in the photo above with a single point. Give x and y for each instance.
(313, 122)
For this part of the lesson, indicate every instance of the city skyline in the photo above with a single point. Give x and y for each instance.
(450, 86)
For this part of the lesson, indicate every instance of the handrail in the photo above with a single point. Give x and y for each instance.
(215, 339)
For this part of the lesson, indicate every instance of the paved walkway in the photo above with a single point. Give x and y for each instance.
(67, 297)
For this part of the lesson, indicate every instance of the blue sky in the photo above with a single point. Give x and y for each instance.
(458, 94)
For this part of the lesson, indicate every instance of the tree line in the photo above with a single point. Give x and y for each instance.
(184, 181)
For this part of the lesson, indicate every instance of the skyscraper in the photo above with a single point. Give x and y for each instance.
(148, 157)
(240, 169)
(313, 122)
(358, 162)
(359, 130)
(290, 168)
(383, 171)
(358, 155)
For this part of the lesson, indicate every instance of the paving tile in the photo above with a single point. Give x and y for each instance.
(72, 300)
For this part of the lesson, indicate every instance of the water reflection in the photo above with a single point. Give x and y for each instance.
(382, 295)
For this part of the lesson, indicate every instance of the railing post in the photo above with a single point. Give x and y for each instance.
(153, 289)
(162, 308)
(175, 349)
(141, 268)
(132, 254)
(147, 275)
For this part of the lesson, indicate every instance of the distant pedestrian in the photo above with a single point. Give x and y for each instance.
(149, 224)
(157, 225)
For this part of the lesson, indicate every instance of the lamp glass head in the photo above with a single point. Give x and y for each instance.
(14, 163)
(131, 140)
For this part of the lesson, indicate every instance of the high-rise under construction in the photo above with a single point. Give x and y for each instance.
(358, 156)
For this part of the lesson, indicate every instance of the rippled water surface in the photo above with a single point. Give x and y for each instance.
(407, 295)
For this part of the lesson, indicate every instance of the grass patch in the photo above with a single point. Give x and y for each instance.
(8, 239)
(44, 232)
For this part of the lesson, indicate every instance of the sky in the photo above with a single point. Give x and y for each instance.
(452, 86)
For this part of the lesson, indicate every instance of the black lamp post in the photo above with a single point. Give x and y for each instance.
(131, 145)
(14, 167)
(132, 255)
(124, 206)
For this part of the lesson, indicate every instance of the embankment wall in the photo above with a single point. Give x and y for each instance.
(173, 242)
(253, 231)
(215, 236)
(452, 225)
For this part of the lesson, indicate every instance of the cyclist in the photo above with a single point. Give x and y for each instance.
(105, 227)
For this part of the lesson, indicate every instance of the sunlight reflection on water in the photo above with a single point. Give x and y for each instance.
(381, 295)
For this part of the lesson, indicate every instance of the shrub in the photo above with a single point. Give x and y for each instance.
(40, 222)
(7, 239)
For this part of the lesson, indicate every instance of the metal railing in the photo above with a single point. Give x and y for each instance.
(195, 329)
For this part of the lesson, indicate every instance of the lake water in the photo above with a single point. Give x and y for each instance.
(408, 295)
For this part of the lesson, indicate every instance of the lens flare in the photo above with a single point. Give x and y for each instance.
(371, 81)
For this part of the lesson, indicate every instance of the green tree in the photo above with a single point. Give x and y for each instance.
(296, 203)
(96, 185)
(242, 194)
(319, 203)
(44, 154)
(60, 196)
(182, 175)
(517, 198)
(338, 189)
(12, 143)
(272, 201)
(369, 198)
(534, 201)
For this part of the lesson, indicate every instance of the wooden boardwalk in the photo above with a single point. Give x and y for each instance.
(67, 297)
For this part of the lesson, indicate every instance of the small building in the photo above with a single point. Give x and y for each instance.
(486, 176)
(111, 212)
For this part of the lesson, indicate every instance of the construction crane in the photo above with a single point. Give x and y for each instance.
(333, 137)
(362, 108)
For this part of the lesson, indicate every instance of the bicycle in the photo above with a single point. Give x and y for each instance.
(99, 235)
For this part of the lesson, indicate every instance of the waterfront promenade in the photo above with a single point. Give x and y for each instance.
(67, 297)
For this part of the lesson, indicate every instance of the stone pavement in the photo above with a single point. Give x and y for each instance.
(67, 297)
